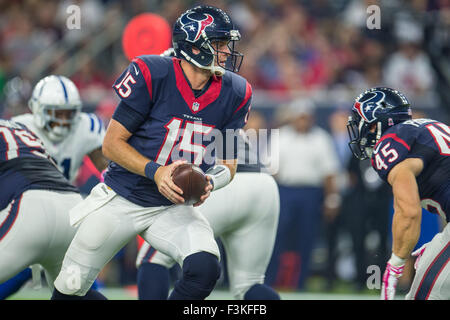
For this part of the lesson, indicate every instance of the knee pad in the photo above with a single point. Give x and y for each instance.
(75, 278)
(203, 268)
(200, 273)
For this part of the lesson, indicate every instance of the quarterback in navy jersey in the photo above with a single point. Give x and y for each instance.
(169, 110)
(162, 107)
(413, 156)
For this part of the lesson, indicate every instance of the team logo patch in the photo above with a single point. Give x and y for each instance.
(194, 27)
(367, 108)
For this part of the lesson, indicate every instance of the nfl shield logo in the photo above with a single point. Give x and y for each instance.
(195, 106)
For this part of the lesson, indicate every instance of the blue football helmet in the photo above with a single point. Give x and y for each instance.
(373, 112)
(202, 27)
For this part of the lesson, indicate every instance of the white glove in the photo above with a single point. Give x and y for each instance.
(394, 270)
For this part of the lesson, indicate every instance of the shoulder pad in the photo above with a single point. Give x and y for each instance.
(157, 65)
(238, 83)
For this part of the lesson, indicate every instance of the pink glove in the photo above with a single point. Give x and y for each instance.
(394, 270)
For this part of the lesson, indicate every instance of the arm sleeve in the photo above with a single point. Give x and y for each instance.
(128, 117)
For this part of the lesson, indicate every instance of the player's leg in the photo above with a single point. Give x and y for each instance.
(249, 246)
(60, 234)
(432, 279)
(184, 234)
(23, 234)
(153, 277)
(100, 236)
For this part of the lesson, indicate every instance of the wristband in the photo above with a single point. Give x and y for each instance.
(396, 261)
(150, 169)
(220, 176)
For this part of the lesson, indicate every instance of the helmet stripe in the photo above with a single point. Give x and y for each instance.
(64, 89)
(42, 89)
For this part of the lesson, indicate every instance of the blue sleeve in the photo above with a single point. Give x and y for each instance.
(128, 117)
(134, 87)
(388, 152)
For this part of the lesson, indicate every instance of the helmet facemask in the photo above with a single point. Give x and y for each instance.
(363, 136)
(210, 56)
(57, 121)
(61, 122)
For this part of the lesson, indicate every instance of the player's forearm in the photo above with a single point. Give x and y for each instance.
(407, 214)
(407, 209)
(126, 156)
(405, 231)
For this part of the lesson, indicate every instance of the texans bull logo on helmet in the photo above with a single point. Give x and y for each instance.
(367, 108)
(194, 27)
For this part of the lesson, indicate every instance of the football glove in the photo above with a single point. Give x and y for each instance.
(394, 270)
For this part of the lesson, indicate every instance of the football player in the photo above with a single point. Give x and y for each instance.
(413, 156)
(67, 133)
(166, 105)
(244, 215)
(34, 193)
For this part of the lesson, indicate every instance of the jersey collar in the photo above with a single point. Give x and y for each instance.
(201, 102)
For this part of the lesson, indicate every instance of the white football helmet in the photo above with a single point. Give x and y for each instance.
(56, 106)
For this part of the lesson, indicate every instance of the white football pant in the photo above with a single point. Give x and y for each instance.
(36, 230)
(108, 222)
(244, 215)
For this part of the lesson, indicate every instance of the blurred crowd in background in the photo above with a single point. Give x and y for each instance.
(318, 53)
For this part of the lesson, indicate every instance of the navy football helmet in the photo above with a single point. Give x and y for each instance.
(202, 27)
(373, 112)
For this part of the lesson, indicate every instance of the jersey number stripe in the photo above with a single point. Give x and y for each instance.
(125, 82)
(442, 138)
(12, 146)
(389, 154)
(12, 149)
(190, 128)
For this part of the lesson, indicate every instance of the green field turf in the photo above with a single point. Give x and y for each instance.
(28, 293)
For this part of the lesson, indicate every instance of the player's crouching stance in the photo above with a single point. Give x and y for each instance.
(160, 96)
(34, 202)
(413, 156)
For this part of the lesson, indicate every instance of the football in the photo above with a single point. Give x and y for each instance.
(192, 180)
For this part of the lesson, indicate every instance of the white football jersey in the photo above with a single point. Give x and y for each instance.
(86, 136)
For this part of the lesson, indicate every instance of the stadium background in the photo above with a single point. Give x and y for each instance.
(318, 49)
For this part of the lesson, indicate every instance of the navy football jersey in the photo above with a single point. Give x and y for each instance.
(25, 165)
(248, 156)
(428, 140)
(176, 124)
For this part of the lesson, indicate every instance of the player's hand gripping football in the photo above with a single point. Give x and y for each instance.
(208, 189)
(390, 278)
(163, 179)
